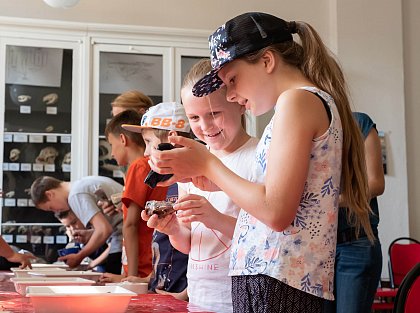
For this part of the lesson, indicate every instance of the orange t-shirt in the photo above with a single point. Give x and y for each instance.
(137, 191)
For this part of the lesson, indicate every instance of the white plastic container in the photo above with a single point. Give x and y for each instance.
(138, 288)
(24, 272)
(49, 266)
(82, 274)
(79, 299)
(22, 283)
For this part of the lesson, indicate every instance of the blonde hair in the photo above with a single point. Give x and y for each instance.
(197, 71)
(133, 100)
(318, 65)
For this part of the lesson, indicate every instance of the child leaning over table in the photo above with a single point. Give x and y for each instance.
(79, 235)
(169, 264)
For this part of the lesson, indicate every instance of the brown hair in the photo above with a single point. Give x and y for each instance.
(133, 100)
(63, 214)
(125, 117)
(197, 71)
(40, 186)
(317, 63)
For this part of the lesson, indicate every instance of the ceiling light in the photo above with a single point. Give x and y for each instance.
(63, 4)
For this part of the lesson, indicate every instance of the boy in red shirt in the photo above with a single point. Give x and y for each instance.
(169, 265)
(128, 149)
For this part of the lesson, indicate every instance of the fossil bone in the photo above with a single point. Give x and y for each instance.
(50, 99)
(14, 155)
(24, 98)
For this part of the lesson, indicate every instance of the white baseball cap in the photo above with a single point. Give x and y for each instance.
(165, 115)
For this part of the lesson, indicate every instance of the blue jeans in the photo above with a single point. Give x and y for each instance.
(358, 266)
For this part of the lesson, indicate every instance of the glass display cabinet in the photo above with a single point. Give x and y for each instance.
(37, 124)
(118, 68)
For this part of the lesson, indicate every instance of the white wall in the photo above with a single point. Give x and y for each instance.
(370, 48)
(411, 25)
(372, 39)
(167, 13)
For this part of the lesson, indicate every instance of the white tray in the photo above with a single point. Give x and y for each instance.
(22, 283)
(79, 299)
(49, 266)
(82, 274)
(24, 272)
(138, 288)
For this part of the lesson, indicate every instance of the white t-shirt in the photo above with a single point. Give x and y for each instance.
(82, 201)
(209, 285)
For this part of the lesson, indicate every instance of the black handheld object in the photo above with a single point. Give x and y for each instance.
(153, 178)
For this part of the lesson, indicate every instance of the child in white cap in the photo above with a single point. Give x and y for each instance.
(169, 265)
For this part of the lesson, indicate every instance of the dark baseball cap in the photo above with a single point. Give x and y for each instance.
(244, 34)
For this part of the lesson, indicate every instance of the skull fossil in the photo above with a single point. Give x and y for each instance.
(14, 155)
(47, 156)
(67, 159)
(104, 150)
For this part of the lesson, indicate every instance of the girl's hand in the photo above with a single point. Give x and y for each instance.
(195, 208)
(168, 225)
(191, 159)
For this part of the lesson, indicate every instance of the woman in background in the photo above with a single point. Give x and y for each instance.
(131, 100)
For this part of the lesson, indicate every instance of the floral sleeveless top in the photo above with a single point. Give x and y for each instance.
(302, 255)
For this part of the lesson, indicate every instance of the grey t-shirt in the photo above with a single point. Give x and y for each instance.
(82, 201)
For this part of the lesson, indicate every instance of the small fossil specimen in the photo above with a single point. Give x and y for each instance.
(24, 98)
(49, 99)
(161, 208)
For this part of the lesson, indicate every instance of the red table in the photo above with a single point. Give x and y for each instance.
(11, 301)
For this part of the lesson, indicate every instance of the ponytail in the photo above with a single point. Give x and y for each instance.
(321, 68)
(318, 65)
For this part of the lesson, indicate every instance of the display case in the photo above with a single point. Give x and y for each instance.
(119, 68)
(37, 123)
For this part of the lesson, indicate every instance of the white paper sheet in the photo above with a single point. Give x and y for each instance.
(34, 66)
